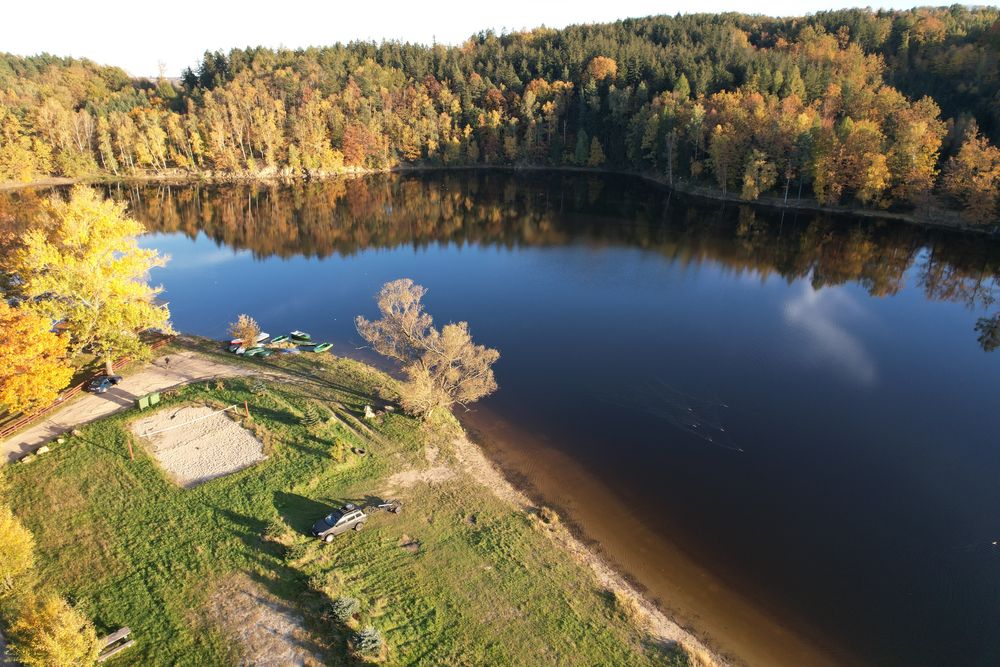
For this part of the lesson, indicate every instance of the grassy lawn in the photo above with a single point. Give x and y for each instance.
(479, 584)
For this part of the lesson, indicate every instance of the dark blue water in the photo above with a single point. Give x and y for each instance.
(801, 404)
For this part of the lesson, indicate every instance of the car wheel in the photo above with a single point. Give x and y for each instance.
(359, 526)
(328, 538)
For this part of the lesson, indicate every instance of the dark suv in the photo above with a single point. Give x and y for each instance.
(339, 521)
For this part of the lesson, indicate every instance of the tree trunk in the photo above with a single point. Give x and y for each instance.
(108, 365)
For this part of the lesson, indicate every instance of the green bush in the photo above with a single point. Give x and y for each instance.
(344, 608)
(368, 642)
(311, 414)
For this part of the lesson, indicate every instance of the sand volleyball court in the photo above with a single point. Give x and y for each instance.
(196, 443)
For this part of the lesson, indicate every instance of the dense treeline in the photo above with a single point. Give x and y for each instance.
(842, 106)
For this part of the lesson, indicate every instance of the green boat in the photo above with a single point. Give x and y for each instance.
(322, 347)
(300, 336)
(253, 351)
(279, 339)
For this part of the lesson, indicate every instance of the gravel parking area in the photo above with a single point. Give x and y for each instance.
(192, 451)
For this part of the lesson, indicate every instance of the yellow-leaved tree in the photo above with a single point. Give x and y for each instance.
(81, 264)
(443, 367)
(17, 549)
(33, 364)
(50, 632)
(246, 330)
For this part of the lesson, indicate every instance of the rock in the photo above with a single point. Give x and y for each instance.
(44, 449)
(60, 440)
(76, 433)
(389, 408)
(369, 413)
(27, 458)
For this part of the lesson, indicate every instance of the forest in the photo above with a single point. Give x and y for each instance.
(891, 110)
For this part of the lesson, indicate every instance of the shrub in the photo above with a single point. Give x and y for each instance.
(311, 414)
(277, 532)
(344, 608)
(368, 643)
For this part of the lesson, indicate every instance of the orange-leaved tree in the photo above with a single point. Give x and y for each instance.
(33, 362)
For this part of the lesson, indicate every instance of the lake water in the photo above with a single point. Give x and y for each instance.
(784, 427)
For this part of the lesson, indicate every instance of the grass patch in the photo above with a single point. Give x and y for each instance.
(132, 548)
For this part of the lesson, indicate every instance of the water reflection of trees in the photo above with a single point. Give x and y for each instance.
(494, 208)
(342, 217)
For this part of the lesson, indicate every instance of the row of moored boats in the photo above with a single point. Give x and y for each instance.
(264, 345)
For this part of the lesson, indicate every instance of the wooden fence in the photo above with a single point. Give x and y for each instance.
(70, 393)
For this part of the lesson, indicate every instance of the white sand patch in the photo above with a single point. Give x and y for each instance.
(412, 476)
(196, 452)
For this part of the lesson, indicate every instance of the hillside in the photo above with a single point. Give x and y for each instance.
(878, 109)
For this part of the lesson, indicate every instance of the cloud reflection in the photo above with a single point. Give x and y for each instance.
(820, 314)
(209, 259)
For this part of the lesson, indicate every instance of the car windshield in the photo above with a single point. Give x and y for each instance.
(332, 518)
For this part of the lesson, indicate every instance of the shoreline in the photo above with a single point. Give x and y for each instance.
(662, 627)
(938, 218)
(732, 625)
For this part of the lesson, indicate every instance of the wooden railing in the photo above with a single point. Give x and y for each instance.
(69, 393)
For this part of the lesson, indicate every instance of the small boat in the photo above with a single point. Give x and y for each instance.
(261, 337)
(300, 335)
(237, 349)
(279, 339)
(321, 347)
(254, 351)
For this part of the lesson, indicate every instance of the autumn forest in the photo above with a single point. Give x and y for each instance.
(888, 110)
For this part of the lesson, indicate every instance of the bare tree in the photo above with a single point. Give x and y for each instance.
(442, 367)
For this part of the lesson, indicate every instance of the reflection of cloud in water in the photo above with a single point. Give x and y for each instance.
(816, 312)
(208, 259)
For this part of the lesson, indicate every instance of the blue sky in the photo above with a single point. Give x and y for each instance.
(138, 36)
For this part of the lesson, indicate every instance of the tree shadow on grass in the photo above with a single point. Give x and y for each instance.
(283, 582)
(300, 512)
(277, 416)
(121, 451)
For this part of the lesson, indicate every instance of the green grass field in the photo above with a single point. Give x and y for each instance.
(484, 586)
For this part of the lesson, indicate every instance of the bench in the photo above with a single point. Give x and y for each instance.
(115, 643)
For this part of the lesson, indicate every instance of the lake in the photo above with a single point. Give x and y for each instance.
(783, 426)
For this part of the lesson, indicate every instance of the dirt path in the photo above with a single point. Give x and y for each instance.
(171, 370)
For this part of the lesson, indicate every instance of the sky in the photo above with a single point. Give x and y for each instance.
(139, 35)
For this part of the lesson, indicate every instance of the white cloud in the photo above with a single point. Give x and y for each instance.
(822, 316)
